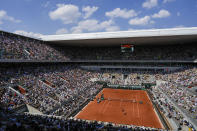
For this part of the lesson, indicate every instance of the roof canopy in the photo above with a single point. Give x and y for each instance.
(136, 37)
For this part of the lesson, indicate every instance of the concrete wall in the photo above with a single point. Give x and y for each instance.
(33, 110)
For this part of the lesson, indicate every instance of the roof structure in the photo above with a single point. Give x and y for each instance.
(135, 37)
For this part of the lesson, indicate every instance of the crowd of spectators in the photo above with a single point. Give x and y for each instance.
(22, 48)
(168, 109)
(53, 86)
(61, 89)
(126, 77)
(172, 52)
(182, 97)
(177, 87)
(30, 122)
(56, 90)
(10, 100)
(17, 47)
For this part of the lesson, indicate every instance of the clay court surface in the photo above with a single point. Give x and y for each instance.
(122, 108)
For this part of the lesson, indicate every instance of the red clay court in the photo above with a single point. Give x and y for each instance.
(122, 107)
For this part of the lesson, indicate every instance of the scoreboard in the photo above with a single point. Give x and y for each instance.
(127, 48)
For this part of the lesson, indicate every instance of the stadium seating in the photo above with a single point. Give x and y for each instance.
(22, 48)
(17, 47)
(59, 90)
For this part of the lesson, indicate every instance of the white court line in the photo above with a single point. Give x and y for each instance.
(133, 105)
(120, 103)
(105, 107)
(100, 111)
(155, 111)
(82, 110)
(138, 116)
(131, 111)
